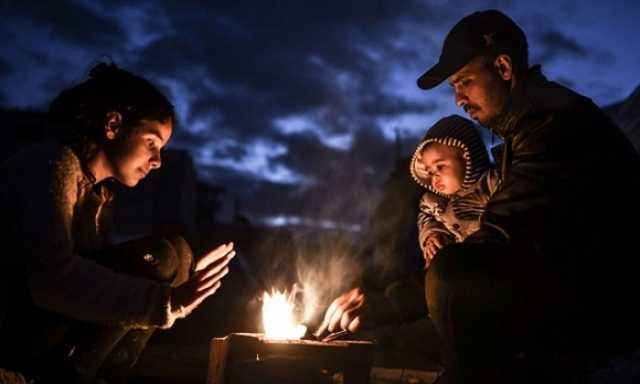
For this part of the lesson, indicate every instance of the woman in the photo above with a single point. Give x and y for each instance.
(78, 307)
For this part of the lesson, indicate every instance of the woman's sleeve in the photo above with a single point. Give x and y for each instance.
(63, 282)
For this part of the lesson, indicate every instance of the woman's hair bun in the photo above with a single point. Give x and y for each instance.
(80, 111)
(106, 72)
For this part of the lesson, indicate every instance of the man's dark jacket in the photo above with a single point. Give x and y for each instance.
(569, 194)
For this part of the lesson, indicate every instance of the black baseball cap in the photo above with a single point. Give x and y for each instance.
(475, 34)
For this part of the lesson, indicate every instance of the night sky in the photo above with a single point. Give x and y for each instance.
(294, 106)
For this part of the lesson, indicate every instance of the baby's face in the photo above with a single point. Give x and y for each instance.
(445, 166)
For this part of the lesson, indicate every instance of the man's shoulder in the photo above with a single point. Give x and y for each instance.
(577, 114)
(550, 97)
(554, 104)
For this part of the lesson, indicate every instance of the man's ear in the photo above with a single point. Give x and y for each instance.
(112, 124)
(504, 65)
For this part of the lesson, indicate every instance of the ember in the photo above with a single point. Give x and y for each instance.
(278, 317)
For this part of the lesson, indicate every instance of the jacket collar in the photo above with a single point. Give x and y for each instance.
(519, 103)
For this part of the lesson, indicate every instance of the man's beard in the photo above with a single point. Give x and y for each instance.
(502, 101)
(469, 109)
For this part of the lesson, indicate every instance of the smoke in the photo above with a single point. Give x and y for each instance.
(324, 271)
(315, 265)
(311, 267)
(390, 244)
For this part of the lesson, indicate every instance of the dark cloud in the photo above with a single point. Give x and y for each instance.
(5, 71)
(292, 58)
(70, 21)
(237, 70)
(5, 68)
(604, 59)
(51, 44)
(344, 188)
(378, 104)
(346, 183)
(553, 43)
(283, 54)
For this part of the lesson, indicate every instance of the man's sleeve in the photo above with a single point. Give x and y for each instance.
(540, 174)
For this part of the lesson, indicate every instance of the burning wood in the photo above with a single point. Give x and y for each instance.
(281, 355)
(246, 358)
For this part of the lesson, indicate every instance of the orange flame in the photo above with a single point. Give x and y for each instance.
(278, 317)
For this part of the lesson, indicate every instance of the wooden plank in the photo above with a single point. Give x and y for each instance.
(354, 358)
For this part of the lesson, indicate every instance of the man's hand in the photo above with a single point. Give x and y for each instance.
(210, 270)
(344, 313)
(432, 245)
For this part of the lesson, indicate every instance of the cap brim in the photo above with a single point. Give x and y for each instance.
(434, 76)
(441, 71)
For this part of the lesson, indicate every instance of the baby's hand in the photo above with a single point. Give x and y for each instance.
(433, 243)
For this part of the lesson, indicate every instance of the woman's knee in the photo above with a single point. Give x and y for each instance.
(173, 260)
(160, 260)
(184, 257)
(168, 260)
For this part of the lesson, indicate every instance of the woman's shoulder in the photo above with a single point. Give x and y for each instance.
(43, 163)
(40, 154)
(65, 161)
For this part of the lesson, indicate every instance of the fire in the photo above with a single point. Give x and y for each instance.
(278, 317)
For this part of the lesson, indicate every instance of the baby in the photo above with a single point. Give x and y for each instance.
(451, 162)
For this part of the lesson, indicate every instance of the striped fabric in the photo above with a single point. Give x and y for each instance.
(453, 131)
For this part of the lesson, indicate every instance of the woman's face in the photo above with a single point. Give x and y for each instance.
(133, 154)
(445, 166)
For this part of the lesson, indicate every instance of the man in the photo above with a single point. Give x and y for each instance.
(551, 265)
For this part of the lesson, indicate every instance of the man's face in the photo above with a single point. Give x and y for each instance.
(445, 166)
(134, 154)
(480, 90)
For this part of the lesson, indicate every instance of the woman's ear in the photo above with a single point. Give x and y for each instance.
(504, 65)
(112, 124)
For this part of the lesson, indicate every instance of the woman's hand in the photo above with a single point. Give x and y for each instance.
(206, 280)
(214, 255)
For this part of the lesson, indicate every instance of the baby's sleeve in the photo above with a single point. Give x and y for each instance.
(428, 223)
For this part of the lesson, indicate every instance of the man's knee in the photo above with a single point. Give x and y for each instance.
(449, 270)
(438, 279)
(460, 261)
(449, 262)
